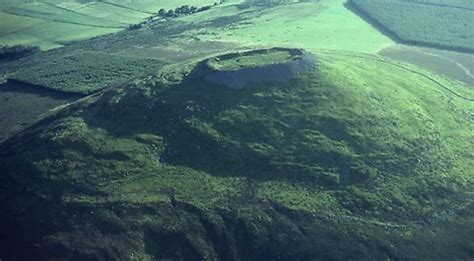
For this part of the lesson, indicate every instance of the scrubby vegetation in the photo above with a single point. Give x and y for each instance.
(430, 23)
(17, 51)
(356, 157)
(85, 72)
(190, 170)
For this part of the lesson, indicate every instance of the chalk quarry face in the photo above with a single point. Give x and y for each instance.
(240, 70)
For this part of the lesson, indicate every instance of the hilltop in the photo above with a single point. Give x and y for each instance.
(240, 70)
(357, 155)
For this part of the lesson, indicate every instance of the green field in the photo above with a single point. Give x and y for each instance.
(309, 25)
(53, 23)
(430, 23)
(459, 66)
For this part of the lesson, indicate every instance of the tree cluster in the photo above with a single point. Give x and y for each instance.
(135, 26)
(179, 11)
(184, 10)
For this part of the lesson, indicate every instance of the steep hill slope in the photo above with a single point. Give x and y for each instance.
(355, 158)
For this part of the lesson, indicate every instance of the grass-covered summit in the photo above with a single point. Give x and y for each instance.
(356, 158)
(252, 59)
(242, 69)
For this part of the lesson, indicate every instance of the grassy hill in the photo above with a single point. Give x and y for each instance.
(360, 156)
(253, 130)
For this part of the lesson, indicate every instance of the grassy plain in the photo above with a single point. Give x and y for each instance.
(312, 26)
(11, 23)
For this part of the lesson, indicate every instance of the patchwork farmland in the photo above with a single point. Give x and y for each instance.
(53, 23)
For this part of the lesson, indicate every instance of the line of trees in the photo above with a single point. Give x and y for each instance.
(178, 11)
(182, 10)
(185, 10)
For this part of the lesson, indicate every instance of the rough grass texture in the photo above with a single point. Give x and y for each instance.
(360, 157)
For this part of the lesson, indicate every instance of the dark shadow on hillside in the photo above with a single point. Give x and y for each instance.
(168, 116)
(368, 19)
(22, 105)
(22, 87)
(185, 116)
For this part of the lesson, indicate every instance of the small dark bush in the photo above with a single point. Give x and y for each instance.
(162, 12)
(135, 26)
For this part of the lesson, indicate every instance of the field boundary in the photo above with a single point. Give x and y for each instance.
(351, 6)
(459, 65)
(406, 69)
(65, 22)
(445, 5)
(126, 7)
(431, 79)
(40, 89)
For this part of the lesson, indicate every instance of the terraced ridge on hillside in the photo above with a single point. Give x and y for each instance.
(239, 70)
(359, 157)
(446, 24)
(255, 58)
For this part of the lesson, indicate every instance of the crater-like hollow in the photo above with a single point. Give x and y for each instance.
(242, 69)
